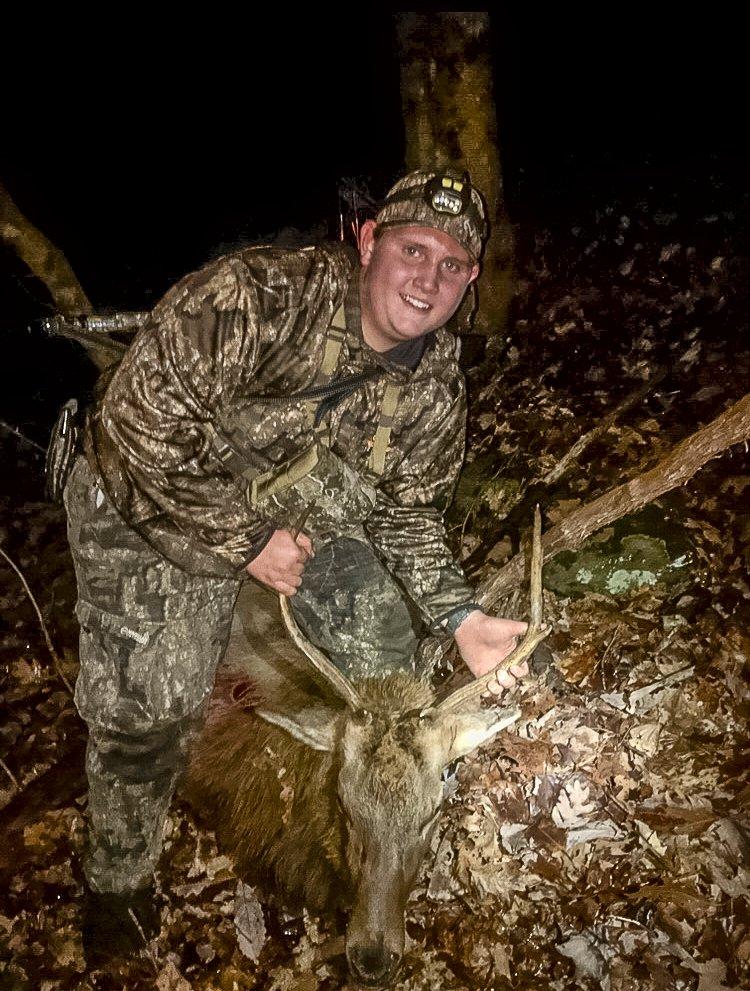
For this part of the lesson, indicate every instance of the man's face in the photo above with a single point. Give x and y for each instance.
(413, 280)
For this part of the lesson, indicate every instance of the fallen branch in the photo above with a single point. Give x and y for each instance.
(571, 456)
(50, 647)
(683, 461)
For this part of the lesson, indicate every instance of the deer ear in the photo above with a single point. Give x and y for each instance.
(468, 730)
(315, 728)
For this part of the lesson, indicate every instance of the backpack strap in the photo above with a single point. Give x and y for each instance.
(335, 336)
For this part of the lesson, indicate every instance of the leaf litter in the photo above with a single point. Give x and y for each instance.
(603, 842)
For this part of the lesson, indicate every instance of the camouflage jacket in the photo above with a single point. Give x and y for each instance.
(254, 324)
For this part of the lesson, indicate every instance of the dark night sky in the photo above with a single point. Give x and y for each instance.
(140, 155)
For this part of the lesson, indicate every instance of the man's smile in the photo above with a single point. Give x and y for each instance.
(418, 304)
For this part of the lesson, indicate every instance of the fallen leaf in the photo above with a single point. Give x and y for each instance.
(249, 922)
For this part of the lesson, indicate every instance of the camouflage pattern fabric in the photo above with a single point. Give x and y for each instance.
(405, 205)
(151, 637)
(350, 607)
(160, 530)
(225, 349)
(334, 498)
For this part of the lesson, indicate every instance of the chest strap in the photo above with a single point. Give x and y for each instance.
(335, 336)
(265, 478)
(382, 437)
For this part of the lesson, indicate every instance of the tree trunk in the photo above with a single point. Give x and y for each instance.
(47, 263)
(450, 121)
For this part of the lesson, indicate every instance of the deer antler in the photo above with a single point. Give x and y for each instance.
(534, 635)
(331, 674)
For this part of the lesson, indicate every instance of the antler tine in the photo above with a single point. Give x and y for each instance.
(339, 682)
(534, 634)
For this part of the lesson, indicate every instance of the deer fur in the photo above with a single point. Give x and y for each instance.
(275, 805)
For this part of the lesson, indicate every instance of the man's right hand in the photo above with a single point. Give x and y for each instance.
(282, 561)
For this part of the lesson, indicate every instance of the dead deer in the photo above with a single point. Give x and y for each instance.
(333, 803)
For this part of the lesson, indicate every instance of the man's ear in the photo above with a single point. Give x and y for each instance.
(474, 272)
(366, 241)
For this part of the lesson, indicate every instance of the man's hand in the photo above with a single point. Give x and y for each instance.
(484, 641)
(282, 561)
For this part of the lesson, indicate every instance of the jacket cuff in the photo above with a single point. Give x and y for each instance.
(263, 538)
(450, 621)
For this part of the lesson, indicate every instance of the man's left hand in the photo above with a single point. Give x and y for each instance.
(484, 641)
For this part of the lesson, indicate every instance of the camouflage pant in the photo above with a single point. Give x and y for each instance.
(350, 606)
(151, 638)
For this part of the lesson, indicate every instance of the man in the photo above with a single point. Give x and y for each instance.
(270, 388)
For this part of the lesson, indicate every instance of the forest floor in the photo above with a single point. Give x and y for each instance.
(603, 841)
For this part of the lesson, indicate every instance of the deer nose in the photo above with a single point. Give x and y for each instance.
(373, 964)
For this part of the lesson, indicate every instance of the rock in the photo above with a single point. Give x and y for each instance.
(640, 550)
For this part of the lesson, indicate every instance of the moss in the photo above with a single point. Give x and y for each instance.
(644, 549)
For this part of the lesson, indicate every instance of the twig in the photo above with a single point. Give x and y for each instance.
(53, 653)
(572, 455)
(141, 933)
(602, 659)
(10, 774)
(588, 438)
(22, 437)
(625, 919)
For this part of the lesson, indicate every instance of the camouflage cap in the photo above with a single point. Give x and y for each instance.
(438, 198)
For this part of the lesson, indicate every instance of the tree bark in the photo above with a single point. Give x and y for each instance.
(450, 121)
(683, 461)
(47, 263)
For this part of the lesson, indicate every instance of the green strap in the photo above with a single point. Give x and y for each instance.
(265, 483)
(334, 342)
(282, 476)
(382, 437)
(335, 337)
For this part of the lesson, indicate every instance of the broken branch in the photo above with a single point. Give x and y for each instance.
(50, 647)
